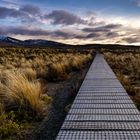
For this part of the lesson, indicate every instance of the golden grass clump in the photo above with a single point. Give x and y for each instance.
(76, 63)
(22, 92)
(40, 72)
(56, 72)
(29, 73)
(126, 83)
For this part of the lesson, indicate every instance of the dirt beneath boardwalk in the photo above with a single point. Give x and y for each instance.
(63, 94)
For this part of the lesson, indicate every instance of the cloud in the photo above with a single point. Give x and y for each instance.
(61, 34)
(93, 27)
(22, 31)
(91, 13)
(103, 28)
(58, 34)
(135, 2)
(92, 35)
(12, 30)
(64, 18)
(7, 12)
(10, 1)
(131, 40)
(30, 9)
(112, 34)
(138, 3)
(102, 32)
(30, 13)
(25, 14)
(101, 35)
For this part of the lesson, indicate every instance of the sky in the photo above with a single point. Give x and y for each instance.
(72, 21)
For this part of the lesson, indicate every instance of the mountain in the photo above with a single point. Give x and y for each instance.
(7, 39)
(40, 42)
(30, 42)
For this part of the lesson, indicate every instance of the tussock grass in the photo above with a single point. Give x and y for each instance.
(56, 72)
(21, 92)
(126, 83)
(30, 73)
(60, 67)
(127, 67)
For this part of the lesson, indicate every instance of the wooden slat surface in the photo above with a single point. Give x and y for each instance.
(102, 110)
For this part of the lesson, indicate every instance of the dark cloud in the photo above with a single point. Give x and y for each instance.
(22, 31)
(104, 28)
(64, 18)
(69, 35)
(61, 34)
(56, 33)
(112, 34)
(30, 9)
(7, 12)
(132, 39)
(92, 35)
(99, 36)
(30, 13)
(136, 2)
(112, 26)
(35, 32)
(26, 14)
(102, 32)
(97, 29)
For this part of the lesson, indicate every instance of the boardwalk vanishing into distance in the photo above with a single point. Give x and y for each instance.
(102, 110)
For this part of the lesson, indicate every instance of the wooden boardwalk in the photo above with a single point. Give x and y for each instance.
(102, 110)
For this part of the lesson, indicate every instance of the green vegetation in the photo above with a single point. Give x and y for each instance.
(9, 126)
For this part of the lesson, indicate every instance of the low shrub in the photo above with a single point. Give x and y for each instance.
(9, 127)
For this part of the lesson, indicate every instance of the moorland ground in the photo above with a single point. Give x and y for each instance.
(31, 84)
(38, 85)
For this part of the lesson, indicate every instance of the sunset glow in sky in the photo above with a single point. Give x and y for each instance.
(72, 21)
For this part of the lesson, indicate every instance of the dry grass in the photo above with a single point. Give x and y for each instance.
(22, 93)
(57, 72)
(30, 73)
(21, 68)
(21, 89)
(127, 67)
(37, 63)
(126, 63)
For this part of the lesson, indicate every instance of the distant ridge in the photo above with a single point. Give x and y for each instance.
(29, 42)
(6, 41)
